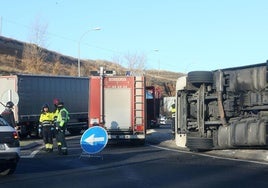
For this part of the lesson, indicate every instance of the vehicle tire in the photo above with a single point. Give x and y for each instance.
(8, 169)
(156, 125)
(23, 136)
(200, 77)
(149, 124)
(35, 133)
(199, 144)
(74, 131)
(138, 142)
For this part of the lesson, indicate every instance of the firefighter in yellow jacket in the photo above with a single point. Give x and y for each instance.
(173, 115)
(46, 124)
(61, 122)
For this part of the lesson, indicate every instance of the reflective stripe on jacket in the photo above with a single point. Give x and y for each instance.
(63, 117)
(46, 119)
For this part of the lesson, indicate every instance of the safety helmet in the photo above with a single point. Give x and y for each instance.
(56, 102)
(10, 104)
(45, 106)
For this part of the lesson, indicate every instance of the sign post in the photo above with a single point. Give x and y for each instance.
(94, 140)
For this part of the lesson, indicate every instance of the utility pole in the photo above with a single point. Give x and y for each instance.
(1, 20)
(79, 43)
(156, 50)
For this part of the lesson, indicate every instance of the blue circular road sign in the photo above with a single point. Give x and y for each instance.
(94, 140)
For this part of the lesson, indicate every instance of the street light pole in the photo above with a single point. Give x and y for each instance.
(156, 50)
(79, 42)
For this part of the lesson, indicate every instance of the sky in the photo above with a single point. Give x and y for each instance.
(173, 35)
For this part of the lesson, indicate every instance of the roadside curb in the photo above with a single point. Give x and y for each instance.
(245, 154)
(165, 140)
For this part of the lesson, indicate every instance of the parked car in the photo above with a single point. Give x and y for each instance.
(162, 120)
(9, 148)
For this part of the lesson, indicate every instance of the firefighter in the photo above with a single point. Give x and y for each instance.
(47, 127)
(56, 110)
(56, 102)
(8, 114)
(173, 113)
(61, 122)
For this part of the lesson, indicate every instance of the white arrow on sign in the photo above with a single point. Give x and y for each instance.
(90, 140)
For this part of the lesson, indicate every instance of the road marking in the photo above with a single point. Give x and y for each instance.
(32, 155)
(207, 155)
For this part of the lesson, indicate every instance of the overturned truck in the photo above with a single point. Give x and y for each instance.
(222, 109)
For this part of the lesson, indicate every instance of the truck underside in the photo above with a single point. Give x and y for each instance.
(224, 109)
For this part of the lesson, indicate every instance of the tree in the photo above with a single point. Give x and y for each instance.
(57, 66)
(135, 63)
(34, 54)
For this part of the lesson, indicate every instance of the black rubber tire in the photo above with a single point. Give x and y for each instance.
(22, 136)
(200, 77)
(74, 131)
(138, 142)
(199, 144)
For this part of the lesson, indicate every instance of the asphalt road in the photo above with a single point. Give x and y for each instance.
(123, 165)
(162, 137)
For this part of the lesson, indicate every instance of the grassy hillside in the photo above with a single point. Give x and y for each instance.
(19, 57)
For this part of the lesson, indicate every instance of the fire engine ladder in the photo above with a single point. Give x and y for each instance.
(139, 95)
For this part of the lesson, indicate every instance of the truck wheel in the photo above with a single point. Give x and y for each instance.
(22, 136)
(34, 133)
(200, 77)
(74, 131)
(138, 142)
(199, 144)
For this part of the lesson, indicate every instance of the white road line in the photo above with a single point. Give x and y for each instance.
(32, 155)
(211, 156)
